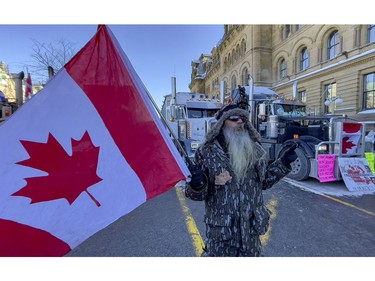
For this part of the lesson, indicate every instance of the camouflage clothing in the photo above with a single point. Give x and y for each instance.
(235, 213)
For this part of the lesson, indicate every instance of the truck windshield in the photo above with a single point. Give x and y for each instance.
(289, 110)
(201, 113)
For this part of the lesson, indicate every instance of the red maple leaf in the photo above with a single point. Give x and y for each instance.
(346, 145)
(68, 176)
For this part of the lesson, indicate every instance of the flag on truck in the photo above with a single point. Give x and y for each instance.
(28, 87)
(87, 150)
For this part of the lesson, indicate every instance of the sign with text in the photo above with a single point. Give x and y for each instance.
(356, 174)
(326, 167)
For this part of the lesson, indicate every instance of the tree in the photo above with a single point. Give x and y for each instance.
(54, 55)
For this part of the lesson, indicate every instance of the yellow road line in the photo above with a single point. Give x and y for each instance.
(332, 198)
(190, 224)
(271, 205)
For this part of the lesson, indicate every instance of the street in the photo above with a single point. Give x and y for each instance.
(309, 219)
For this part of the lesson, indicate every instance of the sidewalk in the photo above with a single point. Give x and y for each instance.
(337, 188)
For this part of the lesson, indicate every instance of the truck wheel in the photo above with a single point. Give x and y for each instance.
(301, 167)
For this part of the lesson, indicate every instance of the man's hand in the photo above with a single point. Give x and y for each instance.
(198, 179)
(289, 155)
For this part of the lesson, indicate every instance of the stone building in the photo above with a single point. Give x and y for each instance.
(7, 85)
(330, 63)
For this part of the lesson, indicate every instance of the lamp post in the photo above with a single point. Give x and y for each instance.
(333, 101)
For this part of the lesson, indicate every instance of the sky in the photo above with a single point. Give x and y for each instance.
(158, 52)
(160, 38)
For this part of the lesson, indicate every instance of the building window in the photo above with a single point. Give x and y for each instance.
(243, 47)
(302, 96)
(371, 33)
(286, 30)
(330, 95)
(333, 45)
(369, 91)
(282, 69)
(233, 83)
(304, 59)
(245, 77)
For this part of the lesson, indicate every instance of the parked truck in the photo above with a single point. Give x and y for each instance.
(282, 121)
(189, 116)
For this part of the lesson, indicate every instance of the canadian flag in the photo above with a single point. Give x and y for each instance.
(88, 149)
(351, 135)
(28, 87)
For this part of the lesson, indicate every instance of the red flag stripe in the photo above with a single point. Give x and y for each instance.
(112, 89)
(19, 240)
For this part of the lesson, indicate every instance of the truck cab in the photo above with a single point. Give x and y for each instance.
(190, 116)
(281, 121)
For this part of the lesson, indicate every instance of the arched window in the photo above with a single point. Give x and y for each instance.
(371, 33)
(233, 83)
(282, 69)
(333, 45)
(304, 59)
(243, 47)
(238, 55)
(245, 77)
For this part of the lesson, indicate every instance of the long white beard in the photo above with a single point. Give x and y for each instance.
(241, 150)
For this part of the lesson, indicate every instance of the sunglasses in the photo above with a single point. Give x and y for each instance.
(235, 118)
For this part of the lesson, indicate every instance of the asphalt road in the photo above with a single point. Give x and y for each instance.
(309, 219)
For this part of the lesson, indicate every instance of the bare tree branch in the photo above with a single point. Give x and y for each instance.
(55, 54)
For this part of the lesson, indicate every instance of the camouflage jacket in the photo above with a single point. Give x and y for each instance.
(226, 202)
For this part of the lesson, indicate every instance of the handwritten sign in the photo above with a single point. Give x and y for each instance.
(326, 167)
(356, 174)
(370, 160)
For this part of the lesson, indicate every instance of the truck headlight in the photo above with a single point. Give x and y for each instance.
(323, 147)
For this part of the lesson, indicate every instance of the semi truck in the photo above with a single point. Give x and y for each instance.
(189, 117)
(282, 121)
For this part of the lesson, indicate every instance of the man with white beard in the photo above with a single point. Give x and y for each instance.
(230, 172)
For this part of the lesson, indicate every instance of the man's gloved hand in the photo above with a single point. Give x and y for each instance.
(289, 155)
(198, 179)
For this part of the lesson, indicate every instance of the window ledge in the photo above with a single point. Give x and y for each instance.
(368, 111)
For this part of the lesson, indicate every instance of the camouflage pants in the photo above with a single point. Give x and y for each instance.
(227, 248)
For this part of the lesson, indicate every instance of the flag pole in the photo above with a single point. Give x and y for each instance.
(175, 140)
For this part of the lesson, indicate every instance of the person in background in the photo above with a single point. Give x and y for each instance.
(230, 172)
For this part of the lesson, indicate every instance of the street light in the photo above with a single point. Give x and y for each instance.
(337, 100)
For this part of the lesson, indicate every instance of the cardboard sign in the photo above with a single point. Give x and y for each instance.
(356, 174)
(326, 167)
